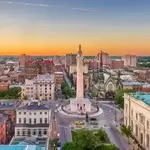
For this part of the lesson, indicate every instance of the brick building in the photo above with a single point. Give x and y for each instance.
(39, 66)
(144, 75)
(59, 78)
(7, 117)
(116, 64)
(4, 86)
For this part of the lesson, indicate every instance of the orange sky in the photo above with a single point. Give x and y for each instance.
(58, 27)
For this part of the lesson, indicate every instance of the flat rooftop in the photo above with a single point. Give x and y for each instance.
(145, 97)
(41, 143)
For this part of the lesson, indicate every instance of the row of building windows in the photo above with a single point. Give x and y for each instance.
(139, 117)
(30, 132)
(139, 136)
(24, 120)
(32, 113)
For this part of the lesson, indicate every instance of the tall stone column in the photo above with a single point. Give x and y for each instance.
(79, 85)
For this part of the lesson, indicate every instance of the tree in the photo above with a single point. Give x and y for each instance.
(127, 131)
(67, 91)
(102, 136)
(69, 146)
(85, 139)
(11, 93)
(107, 147)
(119, 96)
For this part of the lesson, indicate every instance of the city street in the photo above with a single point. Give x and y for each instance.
(106, 120)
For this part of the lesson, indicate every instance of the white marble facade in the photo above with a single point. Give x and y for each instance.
(80, 106)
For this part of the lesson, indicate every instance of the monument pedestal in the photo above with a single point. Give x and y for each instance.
(80, 106)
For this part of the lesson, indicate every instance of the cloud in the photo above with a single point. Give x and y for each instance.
(83, 9)
(44, 5)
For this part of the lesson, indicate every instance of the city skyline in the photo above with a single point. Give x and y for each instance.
(45, 27)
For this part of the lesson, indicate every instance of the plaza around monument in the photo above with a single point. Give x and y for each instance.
(80, 106)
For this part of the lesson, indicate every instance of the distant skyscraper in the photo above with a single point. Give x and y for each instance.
(24, 59)
(71, 59)
(130, 61)
(105, 58)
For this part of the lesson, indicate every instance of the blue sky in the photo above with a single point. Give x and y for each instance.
(77, 21)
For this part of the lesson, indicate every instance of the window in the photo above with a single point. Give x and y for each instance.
(29, 132)
(136, 130)
(34, 132)
(45, 120)
(147, 141)
(45, 113)
(18, 133)
(132, 112)
(24, 113)
(147, 124)
(40, 113)
(136, 116)
(34, 113)
(39, 132)
(29, 113)
(19, 120)
(23, 132)
(45, 131)
(19, 113)
(24, 120)
(34, 120)
(40, 120)
(29, 120)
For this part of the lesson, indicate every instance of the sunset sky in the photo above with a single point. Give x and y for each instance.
(57, 27)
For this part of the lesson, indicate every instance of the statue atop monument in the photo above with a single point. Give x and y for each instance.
(80, 50)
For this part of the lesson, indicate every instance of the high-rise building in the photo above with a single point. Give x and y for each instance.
(23, 60)
(71, 59)
(105, 57)
(130, 61)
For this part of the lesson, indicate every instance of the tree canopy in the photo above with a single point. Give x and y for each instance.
(119, 96)
(67, 91)
(85, 139)
(11, 93)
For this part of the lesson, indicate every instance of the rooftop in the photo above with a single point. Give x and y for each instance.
(34, 105)
(42, 77)
(20, 147)
(9, 104)
(31, 142)
(144, 97)
(131, 83)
